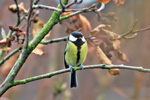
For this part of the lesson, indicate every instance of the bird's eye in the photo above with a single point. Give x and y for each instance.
(72, 38)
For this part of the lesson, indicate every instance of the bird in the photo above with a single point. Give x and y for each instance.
(75, 55)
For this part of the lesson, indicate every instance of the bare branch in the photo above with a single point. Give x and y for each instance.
(9, 55)
(85, 10)
(18, 12)
(75, 2)
(28, 25)
(54, 40)
(69, 5)
(101, 66)
(133, 32)
(36, 1)
(40, 6)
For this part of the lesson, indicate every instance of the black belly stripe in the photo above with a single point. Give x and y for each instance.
(78, 54)
(78, 43)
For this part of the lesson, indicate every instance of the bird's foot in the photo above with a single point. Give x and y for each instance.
(70, 67)
(82, 67)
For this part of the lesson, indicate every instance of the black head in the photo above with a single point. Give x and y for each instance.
(76, 36)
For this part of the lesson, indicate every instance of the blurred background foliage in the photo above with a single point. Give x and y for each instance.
(95, 84)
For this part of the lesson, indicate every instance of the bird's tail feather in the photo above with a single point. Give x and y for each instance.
(73, 80)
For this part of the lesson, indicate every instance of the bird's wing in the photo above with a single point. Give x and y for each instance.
(66, 66)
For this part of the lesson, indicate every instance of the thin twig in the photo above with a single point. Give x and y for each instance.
(101, 66)
(130, 31)
(18, 12)
(28, 25)
(9, 55)
(35, 2)
(54, 40)
(62, 6)
(133, 32)
(69, 5)
(40, 6)
(8, 82)
(75, 2)
(76, 13)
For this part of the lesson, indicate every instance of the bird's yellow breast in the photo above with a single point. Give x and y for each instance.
(71, 54)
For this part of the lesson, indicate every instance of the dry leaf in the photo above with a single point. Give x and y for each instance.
(102, 57)
(4, 42)
(111, 34)
(98, 29)
(119, 3)
(38, 51)
(116, 44)
(121, 55)
(13, 8)
(6, 67)
(76, 22)
(36, 29)
(114, 71)
(11, 27)
(5, 49)
(84, 22)
(103, 1)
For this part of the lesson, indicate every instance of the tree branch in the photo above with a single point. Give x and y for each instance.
(9, 55)
(36, 1)
(54, 40)
(133, 32)
(90, 9)
(40, 6)
(26, 52)
(101, 66)
(18, 12)
(28, 25)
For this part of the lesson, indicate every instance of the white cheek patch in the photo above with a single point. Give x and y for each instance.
(83, 39)
(72, 38)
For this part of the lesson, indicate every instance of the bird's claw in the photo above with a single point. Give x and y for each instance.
(70, 67)
(82, 67)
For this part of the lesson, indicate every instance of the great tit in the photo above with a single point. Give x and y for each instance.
(75, 54)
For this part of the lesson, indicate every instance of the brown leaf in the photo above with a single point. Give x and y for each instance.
(4, 42)
(6, 67)
(15, 28)
(99, 28)
(104, 1)
(121, 55)
(13, 8)
(36, 29)
(105, 60)
(116, 44)
(102, 57)
(119, 3)
(84, 22)
(5, 49)
(114, 71)
(111, 34)
(76, 22)
(38, 51)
